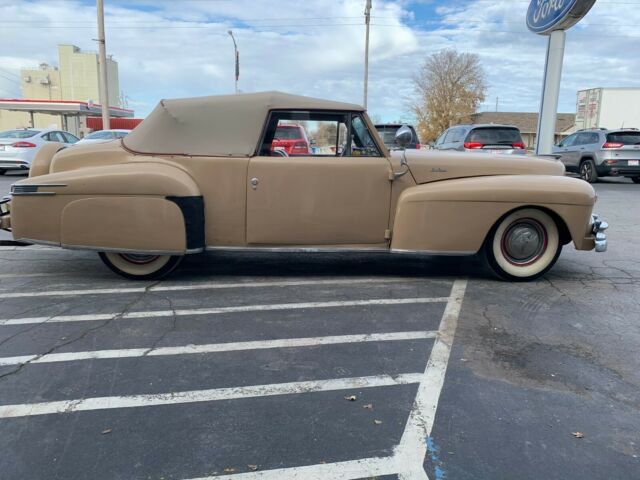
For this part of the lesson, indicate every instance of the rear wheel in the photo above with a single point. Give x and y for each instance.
(588, 171)
(140, 267)
(2, 171)
(635, 179)
(523, 246)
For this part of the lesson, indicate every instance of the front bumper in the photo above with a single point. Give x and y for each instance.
(598, 227)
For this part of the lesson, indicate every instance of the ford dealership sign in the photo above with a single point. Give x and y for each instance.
(545, 16)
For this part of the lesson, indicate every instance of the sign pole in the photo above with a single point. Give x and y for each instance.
(550, 93)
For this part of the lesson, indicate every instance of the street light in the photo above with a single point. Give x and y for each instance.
(237, 56)
(367, 19)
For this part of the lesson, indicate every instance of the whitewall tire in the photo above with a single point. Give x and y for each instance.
(140, 267)
(523, 246)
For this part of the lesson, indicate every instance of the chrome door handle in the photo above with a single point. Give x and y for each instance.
(254, 183)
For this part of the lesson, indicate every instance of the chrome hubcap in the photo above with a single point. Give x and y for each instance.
(586, 171)
(524, 242)
(138, 259)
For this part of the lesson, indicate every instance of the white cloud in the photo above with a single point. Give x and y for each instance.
(181, 48)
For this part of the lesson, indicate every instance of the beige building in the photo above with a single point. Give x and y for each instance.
(75, 79)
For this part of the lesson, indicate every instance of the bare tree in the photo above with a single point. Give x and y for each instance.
(448, 90)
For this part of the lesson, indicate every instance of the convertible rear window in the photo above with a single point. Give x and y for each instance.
(626, 138)
(495, 136)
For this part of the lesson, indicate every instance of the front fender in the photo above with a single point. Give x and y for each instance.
(455, 216)
(140, 207)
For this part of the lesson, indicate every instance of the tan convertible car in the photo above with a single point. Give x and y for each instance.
(206, 174)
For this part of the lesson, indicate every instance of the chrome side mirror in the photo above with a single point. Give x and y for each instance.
(403, 136)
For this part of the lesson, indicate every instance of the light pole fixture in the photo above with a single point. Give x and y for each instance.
(367, 19)
(237, 58)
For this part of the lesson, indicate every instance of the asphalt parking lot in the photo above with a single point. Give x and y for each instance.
(323, 366)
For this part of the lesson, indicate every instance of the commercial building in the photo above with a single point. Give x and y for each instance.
(63, 96)
(527, 123)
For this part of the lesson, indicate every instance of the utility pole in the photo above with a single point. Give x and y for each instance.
(497, 103)
(367, 20)
(102, 64)
(237, 57)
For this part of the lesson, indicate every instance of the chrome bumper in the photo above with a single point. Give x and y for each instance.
(598, 227)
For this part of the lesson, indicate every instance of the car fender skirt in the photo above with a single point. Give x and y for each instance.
(193, 212)
(456, 215)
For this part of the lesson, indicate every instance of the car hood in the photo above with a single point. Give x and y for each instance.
(432, 166)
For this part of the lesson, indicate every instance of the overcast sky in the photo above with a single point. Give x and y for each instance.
(180, 48)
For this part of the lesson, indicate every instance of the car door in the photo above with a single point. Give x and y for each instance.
(338, 196)
(567, 151)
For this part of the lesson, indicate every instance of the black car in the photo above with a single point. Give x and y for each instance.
(387, 132)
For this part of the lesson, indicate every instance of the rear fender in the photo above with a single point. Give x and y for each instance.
(455, 216)
(41, 163)
(137, 207)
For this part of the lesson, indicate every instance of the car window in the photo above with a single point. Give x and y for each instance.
(626, 138)
(440, 139)
(362, 142)
(569, 141)
(586, 138)
(69, 138)
(294, 133)
(19, 133)
(495, 135)
(57, 137)
(454, 135)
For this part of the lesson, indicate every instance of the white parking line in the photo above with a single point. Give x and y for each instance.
(233, 393)
(217, 347)
(202, 286)
(219, 310)
(408, 458)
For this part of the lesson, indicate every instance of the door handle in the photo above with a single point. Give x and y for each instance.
(254, 183)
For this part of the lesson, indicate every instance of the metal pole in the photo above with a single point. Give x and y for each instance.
(550, 93)
(367, 19)
(237, 58)
(102, 65)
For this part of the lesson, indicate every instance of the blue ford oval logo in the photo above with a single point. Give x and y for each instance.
(545, 16)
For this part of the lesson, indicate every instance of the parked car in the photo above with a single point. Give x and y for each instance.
(486, 138)
(178, 185)
(601, 153)
(102, 136)
(292, 139)
(19, 147)
(387, 132)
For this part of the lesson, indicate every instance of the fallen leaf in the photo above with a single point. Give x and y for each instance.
(229, 470)
(108, 430)
(378, 422)
(253, 468)
(351, 398)
(368, 406)
(578, 434)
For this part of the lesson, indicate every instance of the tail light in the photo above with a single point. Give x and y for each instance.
(473, 145)
(519, 145)
(300, 147)
(613, 145)
(23, 145)
(418, 146)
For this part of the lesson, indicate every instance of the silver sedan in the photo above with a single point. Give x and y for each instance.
(18, 147)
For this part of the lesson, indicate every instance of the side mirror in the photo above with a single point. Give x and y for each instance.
(312, 141)
(432, 144)
(404, 136)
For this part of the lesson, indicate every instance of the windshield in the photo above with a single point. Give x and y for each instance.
(495, 136)
(19, 133)
(626, 138)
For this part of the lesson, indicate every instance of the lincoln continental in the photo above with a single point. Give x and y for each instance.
(224, 172)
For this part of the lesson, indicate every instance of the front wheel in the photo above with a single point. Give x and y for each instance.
(523, 246)
(140, 267)
(635, 179)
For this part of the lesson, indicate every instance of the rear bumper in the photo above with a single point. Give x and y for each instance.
(618, 170)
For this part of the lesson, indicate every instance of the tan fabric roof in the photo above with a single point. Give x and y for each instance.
(525, 121)
(226, 125)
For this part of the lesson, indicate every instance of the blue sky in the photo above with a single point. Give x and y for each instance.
(180, 48)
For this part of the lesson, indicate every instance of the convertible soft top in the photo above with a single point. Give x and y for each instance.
(226, 125)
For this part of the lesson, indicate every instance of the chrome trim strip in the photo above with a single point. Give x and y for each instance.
(298, 249)
(109, 249)
(27, 194)
(339, 250)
